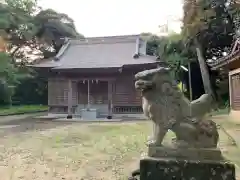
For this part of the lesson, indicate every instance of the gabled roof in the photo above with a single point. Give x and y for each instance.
(98, 52)
(232, 56)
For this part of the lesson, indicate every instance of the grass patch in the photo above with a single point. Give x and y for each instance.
(4, 111)
(93, 151)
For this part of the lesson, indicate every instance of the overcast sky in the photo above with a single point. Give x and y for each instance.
(118, 17)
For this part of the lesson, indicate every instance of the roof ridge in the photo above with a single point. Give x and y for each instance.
(98, 37)
(62, 49)
(233, 51)
(103, 41)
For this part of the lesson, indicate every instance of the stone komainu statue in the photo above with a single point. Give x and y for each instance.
(168, 109)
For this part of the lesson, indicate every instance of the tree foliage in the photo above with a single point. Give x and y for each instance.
(170, 49)
(209, 29)
(10, 76)
(31, 33)
(212, 23)
(31, 30)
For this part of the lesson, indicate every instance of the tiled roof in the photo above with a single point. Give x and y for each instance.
(99, 52)
(225, 60)
(235, 54)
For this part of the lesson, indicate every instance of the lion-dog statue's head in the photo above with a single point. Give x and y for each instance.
(154, 80)
(156, 85)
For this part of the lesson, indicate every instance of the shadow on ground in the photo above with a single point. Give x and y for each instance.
(28, 124)
(36, 124)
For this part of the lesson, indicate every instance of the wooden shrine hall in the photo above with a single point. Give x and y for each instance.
(94, 77)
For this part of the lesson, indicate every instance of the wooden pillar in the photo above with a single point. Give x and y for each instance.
(190, 82)
(110, 90)
(70, 92)
(88, 94)
(230, 88)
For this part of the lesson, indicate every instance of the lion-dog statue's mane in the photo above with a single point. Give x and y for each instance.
(168, 109)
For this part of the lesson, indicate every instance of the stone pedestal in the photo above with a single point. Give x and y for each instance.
(170, 169)
(168, 163)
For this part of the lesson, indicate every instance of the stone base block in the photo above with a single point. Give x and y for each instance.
(170, 169)
(185, 153)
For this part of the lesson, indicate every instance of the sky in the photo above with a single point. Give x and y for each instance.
(118, 17)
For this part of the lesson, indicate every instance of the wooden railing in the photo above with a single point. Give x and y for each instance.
(60, 109)
(127, 110)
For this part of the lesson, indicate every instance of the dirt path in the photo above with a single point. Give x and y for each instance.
(232, 128)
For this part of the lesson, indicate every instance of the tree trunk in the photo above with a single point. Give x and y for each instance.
(204, 71)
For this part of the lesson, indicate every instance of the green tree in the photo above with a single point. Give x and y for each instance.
(10, 76)
(29, 31)
(169, 49)
(209, 27)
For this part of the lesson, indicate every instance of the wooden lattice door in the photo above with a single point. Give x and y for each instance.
(235, 91)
